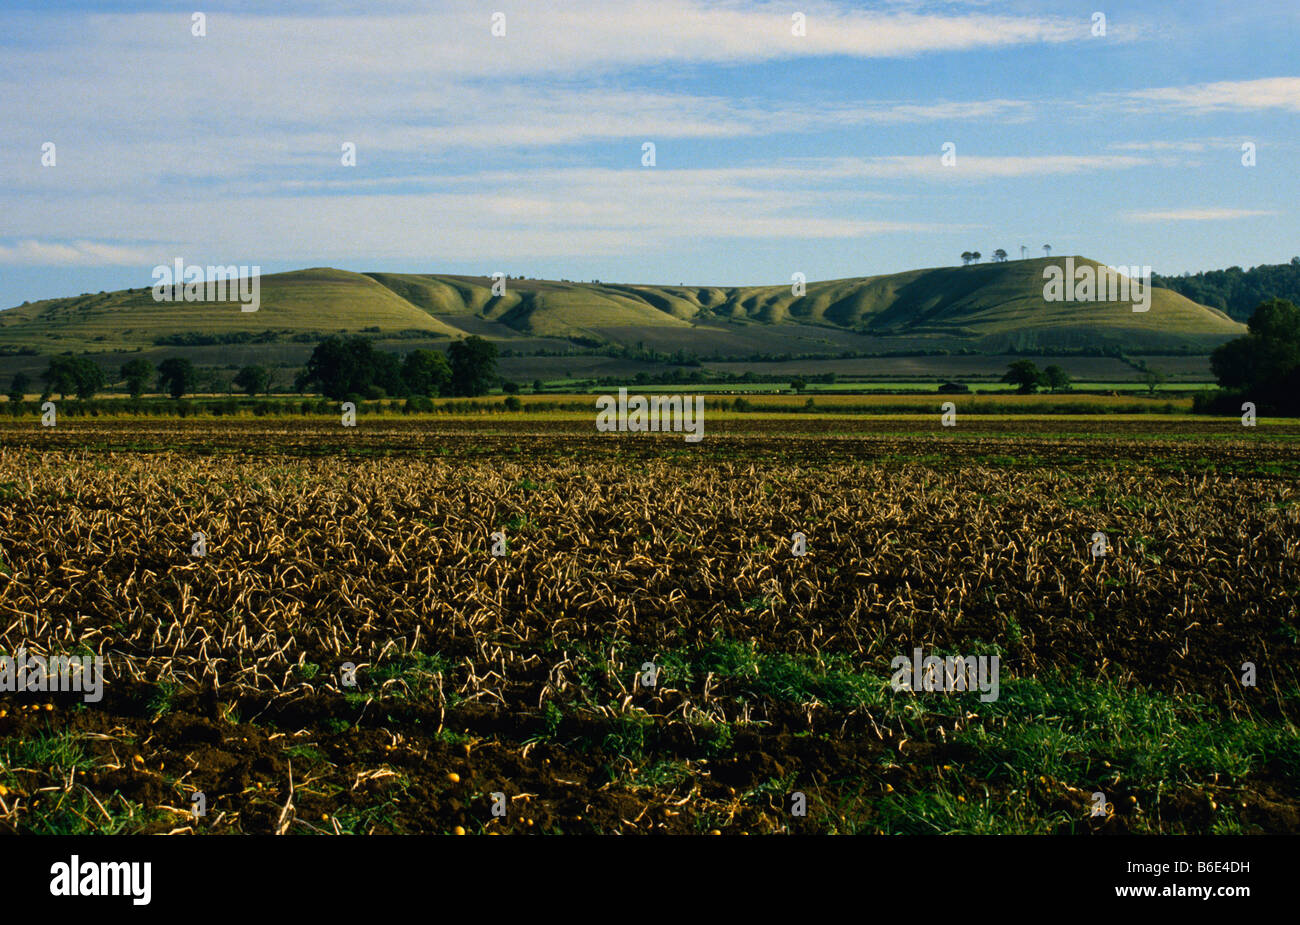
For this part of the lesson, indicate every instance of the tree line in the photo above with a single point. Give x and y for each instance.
(339, 368)
(1262, 367)
(999, 255)
(343, 368)
(1234, 291)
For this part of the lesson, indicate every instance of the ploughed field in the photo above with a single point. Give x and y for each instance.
(518, 682)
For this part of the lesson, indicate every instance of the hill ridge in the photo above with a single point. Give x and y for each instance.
(987, 307)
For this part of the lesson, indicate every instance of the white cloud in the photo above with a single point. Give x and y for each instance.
(589, 211)
(272, 89)
(1184, 146)
(1195, 215)
(976, 167)
(528, 212)
(1224, 96)
(70, 254)
(96, 155)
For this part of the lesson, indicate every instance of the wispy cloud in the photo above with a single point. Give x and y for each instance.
(98, 156)
(1182, 146)
(519, 213)
(1224, 96)
(71, 253)
(1195, 215)
(976, 167)
(544, 210)
(273, 88)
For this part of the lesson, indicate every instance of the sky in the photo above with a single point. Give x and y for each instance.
(1118, 131)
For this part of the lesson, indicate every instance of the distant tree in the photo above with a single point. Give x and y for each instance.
(1025, 375)
(473, 366)
(341, 367)
(385, 375)
(966, 258)
(1023, 251)
(253, 379)
(425, 372)
(1000, 255)
(216, 383)
(61, 374)
(510, 388)
(90, 378)
(975, 256)
(1153, 379)
(68, 374)
(1056, 378)
(18, 387)
(176, 376)
(537, 386)
(798, 384)
(1047, 249)
(136, 373)
(513, 403)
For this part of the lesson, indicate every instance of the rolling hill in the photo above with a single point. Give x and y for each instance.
(988, 308)
(304, 301)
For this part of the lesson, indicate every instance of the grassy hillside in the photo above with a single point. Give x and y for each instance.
(541, 307)
(304, 301)
(989, 308)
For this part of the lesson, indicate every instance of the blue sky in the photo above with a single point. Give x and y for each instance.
(775, 153)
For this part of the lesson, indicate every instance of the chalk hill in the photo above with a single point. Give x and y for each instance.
(989, 307)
